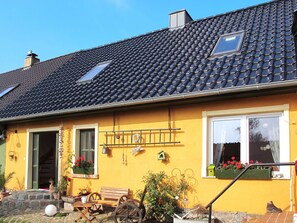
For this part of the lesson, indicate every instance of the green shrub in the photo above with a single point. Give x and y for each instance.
(162, 194)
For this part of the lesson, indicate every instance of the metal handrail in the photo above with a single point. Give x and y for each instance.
(236, 178)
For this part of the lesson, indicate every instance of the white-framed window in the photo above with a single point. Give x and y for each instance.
(228, 43)
(85, 141)
(250, 135)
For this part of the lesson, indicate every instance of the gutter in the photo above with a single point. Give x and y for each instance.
(217, 92)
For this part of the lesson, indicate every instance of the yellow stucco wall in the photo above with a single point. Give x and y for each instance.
(246, 195)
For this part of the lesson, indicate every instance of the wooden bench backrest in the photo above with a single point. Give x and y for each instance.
(111, 193)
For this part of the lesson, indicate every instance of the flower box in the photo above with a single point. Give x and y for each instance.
(70, 199)
(249, 174)
(81, 170)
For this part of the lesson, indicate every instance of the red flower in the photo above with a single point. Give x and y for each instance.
(229, 162)
(251, 161)
(233, 157)
(238, 166)
(82, 158)
(68, 179)
(232, 162)
(225, 165)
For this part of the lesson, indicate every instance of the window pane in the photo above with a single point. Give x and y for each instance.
(7, 90)
(228, 43)
(93, 72)
(87, 144)
(226, 140)
(264, 139)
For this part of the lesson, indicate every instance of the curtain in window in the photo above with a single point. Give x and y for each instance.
(218, 147)
(87, 144)
(274, 143)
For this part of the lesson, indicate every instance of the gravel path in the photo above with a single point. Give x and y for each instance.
(38, 216)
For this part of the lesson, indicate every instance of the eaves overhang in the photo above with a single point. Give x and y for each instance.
(288, 86)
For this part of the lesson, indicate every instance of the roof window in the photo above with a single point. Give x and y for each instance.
(228, 43)
(7, 90)
(90, 75)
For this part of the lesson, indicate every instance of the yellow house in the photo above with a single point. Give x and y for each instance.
(176, 100)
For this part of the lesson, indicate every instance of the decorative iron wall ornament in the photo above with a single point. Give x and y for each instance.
(189, 177)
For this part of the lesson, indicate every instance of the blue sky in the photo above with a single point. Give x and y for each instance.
(56, 27)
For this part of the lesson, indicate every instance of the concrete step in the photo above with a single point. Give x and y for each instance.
(32, 199)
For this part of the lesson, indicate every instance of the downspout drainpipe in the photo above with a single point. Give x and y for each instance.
(294, 33)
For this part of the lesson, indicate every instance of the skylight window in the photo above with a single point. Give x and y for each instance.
(94, 72)
(228, 43)
(7, 90)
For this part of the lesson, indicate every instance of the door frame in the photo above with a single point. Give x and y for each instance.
(28, 175)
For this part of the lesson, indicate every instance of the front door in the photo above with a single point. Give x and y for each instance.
(44, 158)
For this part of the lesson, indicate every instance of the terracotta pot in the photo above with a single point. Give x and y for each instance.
(3, 194)
(56, 195)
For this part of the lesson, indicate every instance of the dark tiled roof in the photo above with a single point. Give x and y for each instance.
(169, 64)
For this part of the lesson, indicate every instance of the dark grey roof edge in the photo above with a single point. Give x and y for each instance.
(193, 95)
(167, 28)
(237, 10)
(150, 32)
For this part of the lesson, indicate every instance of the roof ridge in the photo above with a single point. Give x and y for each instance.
(237, 10)
(54, 58)
(166, 28)
(123, 40)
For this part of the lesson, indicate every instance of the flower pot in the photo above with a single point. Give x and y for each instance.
(56, 195)
(3, 194)
(80, 170)
(249, 174)
(177, 220)
(70, 199)
(84, 199)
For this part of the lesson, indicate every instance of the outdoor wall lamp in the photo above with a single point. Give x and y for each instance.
(105, 149)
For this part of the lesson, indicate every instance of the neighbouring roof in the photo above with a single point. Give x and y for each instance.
(163, 65)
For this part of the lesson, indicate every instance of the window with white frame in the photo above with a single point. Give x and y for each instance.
(259, 137)
(85, 144)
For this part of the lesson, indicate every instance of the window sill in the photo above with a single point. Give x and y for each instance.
(86, 176)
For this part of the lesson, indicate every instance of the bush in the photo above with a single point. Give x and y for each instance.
(162, 194)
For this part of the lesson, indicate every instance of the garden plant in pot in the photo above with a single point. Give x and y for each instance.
(61, 188)
(3, 182)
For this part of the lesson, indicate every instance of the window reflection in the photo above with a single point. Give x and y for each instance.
(226, 134)
(264, 139)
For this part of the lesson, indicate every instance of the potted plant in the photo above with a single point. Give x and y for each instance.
(83, 166)
(233, 168)
(61, 187)
(3, 182)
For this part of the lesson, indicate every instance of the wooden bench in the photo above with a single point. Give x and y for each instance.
(109, 196)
